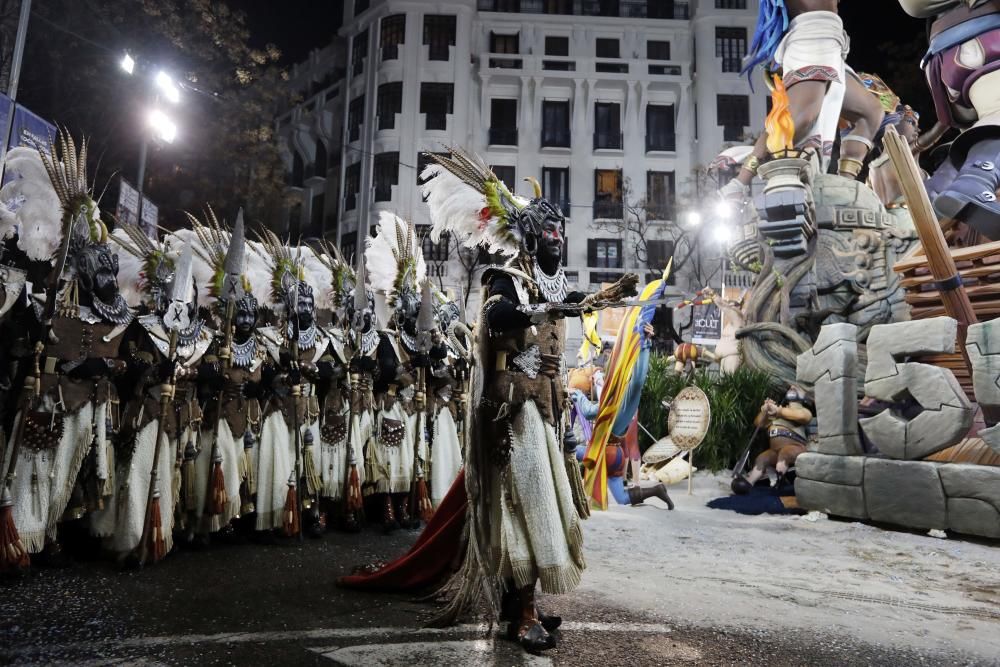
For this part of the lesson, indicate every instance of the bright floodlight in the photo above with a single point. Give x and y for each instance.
(723, 209)
(693, 218)
(128, 64)
(168, 87)
(164, 128)
(721, 233)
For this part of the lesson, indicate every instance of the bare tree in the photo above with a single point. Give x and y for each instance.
(439, 256)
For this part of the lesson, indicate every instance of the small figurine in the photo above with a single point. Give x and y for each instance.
(786, 432)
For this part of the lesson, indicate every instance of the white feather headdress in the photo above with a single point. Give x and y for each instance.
(468, 201)
(146, 268)
(394, 257)
(30, 206)
(320, 277)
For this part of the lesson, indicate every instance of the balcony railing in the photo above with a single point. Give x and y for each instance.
(665, 70)
(732, 65)
(390, 51)
(656, 9)
(436, 121)
(610, 140)
(505, 63)
(607, 209)
(503, 136)
(555, 137)
(611, 67)
(382, 192)
(659, 211)
(350, 201)
(355, 133)
(559, 65)
(661, 141)
(732, 132)
(386, 121)
(439, 51)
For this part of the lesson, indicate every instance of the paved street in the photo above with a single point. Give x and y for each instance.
(691, 587)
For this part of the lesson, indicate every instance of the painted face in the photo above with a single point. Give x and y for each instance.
(305, 309)
(106, 282)
(550, 243)
(245, 320)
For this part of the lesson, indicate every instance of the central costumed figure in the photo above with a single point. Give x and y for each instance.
(522, 498)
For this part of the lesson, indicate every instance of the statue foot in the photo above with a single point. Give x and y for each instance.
(972, 196)
(741, 486)
(637, 494)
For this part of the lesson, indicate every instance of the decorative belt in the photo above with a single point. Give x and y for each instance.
(778, 432)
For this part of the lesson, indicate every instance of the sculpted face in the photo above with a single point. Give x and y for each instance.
(106, 282)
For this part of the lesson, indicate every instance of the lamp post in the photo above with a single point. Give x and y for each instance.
(159, 124)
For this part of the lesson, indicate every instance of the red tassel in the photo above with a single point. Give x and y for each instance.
(424, 509)
(156, 549)
(353, 494)
(290, 512)
(13, 555)
(218, 498)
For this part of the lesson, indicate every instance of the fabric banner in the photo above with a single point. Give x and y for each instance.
(26, 128)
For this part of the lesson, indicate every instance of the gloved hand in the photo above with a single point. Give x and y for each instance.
(734, 191)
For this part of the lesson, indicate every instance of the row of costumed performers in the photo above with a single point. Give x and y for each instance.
(160, 391)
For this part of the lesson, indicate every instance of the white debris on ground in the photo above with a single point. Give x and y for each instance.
(717, 568)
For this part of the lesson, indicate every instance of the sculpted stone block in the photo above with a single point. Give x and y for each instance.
(973, 517)
(983, 345)
(908, 493)
(849, 470)
(947, 413)
(830, 367)
(962, 480)
(835, 499)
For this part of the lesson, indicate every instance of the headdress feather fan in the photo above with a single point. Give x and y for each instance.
(145, 265)
(394, 256)
(468, 201)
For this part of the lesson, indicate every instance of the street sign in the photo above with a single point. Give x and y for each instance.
(127, 210)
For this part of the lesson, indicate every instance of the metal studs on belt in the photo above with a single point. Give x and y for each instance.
(985, 165)
(988, 196)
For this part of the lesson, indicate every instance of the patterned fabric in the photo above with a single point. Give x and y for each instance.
(810, 73)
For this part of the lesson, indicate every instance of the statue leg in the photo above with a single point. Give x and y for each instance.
(765, 460)
(864, 112)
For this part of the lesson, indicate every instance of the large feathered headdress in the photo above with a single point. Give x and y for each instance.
(146, 268)
(286, 267)
(467, 200)
(394, 258)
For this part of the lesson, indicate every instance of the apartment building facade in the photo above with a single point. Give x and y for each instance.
(613, 105)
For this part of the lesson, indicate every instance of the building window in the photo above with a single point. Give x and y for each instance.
(660, 128)
(393, 34)
(659, 195)
(352, 183)
(355, 112)
(386, 167)
(361, 6)
(733, 114)
(390, 103)
(501, 5)
(607, 48)
(316, 216)
(319, 164)
(503, 122)
(607, 125)
(731, 46)
(604, 254)
(730, 4)
(556, 46)
(608, 193)
(439, 35)
(662, 9)
(423, 161)
(555, 187)
(506, 174)
(658, 253)
(555, 123)
(349, 245)
(433, 252)
(504, 43)
(657, 50)
(298, 170)
(437, 102)
(558, 6)
(359, 51)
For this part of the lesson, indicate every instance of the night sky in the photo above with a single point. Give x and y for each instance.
(296, 26)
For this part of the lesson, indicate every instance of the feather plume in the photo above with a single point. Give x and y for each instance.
(469, 202)
(258, 272)
(319, 274)
(131, 270)
(393, 255)
(32, 205)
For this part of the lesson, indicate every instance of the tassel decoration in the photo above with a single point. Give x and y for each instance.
(248, 474)
(156, 548)
(188, 477)
(13, 555)
(424, 508)
(353, 493)
(217, 499)
(291, 522)
(314, 483)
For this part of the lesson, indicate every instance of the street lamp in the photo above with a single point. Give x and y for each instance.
(693, 218)
(162, 126)
(722, 234)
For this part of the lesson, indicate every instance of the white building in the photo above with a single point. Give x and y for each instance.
(604, 101)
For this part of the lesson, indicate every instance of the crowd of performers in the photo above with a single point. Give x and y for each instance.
(168, 390)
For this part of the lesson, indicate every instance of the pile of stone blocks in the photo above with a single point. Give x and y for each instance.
(892, 484)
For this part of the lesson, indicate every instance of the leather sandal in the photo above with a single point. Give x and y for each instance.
(533, 638)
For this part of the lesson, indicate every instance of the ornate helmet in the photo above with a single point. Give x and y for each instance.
(146, 269)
